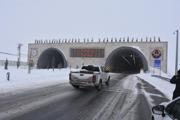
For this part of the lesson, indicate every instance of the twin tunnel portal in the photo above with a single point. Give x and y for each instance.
(120, 60)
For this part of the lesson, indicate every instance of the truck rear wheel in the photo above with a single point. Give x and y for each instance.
(99, 85)
(75, 86)
(107, 82)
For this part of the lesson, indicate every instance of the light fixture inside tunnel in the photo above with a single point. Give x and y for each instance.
(126, 60)
(51, 58)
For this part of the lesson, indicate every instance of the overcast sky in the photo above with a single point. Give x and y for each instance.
(23, 21)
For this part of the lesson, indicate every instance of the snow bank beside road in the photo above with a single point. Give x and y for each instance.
(21, 80)
(164, 86)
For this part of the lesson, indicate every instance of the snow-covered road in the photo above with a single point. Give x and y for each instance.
(127, 97)
(20, 80)
(27, 96)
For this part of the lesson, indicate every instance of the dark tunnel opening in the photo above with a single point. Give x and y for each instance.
(126, 60)
(51, 58)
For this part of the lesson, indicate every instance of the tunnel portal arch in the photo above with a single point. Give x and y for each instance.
(51, 58)
(126, 60)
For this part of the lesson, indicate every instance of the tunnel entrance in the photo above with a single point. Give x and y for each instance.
(126, 60)
(51, 58)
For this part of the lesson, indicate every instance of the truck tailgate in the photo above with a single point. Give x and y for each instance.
(81, 76)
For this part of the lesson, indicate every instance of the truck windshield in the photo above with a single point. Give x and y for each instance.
(91, 68)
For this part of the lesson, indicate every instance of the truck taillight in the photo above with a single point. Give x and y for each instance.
(70, 76)
(94, 78)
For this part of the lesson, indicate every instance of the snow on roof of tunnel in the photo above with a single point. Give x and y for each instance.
(138, 48)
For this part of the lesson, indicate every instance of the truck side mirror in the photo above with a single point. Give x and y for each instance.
(158, 110)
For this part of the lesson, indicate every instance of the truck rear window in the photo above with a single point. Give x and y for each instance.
(91, 68)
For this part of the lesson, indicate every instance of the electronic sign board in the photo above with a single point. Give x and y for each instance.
(87, 52)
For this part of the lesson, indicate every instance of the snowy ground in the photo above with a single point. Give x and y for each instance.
(162, 85)
(21, 80)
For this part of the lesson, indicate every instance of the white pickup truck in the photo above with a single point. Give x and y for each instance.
(89, 76)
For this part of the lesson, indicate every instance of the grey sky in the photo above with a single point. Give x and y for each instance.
(23, 21)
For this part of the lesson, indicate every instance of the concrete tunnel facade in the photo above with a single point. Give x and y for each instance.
(122, 59)
(117, 57)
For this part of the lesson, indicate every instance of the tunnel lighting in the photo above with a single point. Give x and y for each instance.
(126, 59)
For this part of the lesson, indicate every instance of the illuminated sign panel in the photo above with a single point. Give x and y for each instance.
(87, 52)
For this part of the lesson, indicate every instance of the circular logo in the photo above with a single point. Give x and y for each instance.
(156, 53)
(34, 52)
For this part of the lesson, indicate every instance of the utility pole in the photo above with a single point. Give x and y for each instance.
(29, 61)
(177, 37)
(19, 54)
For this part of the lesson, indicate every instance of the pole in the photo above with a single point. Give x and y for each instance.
(29, 62)
(19, 55)
(177, 37)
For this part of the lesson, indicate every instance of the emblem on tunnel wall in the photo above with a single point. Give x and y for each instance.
(34, 52)
(156, 53)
